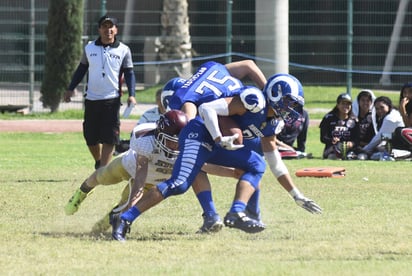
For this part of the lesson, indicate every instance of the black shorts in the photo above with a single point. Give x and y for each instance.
(101, 123)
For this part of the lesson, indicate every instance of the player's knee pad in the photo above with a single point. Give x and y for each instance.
(252, 178)
(170, 188)
(255, 171)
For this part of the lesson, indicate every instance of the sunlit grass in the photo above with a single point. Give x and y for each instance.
(365, 228)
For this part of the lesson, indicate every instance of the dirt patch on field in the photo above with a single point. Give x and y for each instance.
(53, 125)
(126, 125)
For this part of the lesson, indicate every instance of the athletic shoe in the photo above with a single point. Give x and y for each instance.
(253, 215)
(74, 203)
(119, 232)
(210, 224)
(114, 218)
(241, 221)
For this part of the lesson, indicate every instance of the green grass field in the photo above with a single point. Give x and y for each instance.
(366, 227)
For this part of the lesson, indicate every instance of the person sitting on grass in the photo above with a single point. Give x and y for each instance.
(388, 119)
(339, 129)
(292, 134)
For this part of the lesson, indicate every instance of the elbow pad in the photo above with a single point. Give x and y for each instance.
(209, 112)
(276, 164)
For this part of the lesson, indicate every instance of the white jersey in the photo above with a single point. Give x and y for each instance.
(143, 143)
(391, 121)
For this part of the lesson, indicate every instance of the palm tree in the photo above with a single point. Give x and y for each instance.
(174, 42)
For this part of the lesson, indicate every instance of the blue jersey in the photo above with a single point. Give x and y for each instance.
(197, 147)
(210, 82)
(258, 125)
(255, 126)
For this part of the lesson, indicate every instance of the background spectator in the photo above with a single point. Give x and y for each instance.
(387, 120)
(402, 137)
(339, 129)
(294, 134)
(364, 110)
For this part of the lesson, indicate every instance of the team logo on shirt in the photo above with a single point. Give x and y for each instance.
(350, 123)
(193, 135)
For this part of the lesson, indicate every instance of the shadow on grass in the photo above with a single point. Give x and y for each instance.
(107, 236)
(42, 180)
(82, 236)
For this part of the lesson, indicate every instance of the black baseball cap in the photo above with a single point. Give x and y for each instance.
(344, 97)
(106, 18)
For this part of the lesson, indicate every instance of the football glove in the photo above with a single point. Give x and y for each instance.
(226, 142)
(308, 204)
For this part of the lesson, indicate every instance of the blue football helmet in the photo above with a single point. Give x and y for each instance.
(285, 95)
(169, 89)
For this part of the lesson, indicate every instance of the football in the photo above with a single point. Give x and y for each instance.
(229, 127)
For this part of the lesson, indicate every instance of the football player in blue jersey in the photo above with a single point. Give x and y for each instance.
(261, 115)
(210, 82)
(283, 92)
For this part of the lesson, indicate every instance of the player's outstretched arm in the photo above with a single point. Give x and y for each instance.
(142, 164)
(308, 204)
(280, 171)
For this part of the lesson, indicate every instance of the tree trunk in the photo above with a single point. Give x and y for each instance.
(175, 41)
(64, 45)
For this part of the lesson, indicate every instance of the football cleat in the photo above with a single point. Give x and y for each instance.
(211, 224)
(120, 230)
(241, 221)
(74, 202)
(114, 218)
(253, 215)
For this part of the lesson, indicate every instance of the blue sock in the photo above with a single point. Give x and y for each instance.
(131, 214)
(206, 201)
(238, 206)
(253, 204)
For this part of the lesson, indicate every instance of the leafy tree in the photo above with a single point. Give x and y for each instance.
(175, 41)
(64, 47)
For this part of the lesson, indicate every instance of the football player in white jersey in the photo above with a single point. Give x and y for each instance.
(153, 149)
(150, 159)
